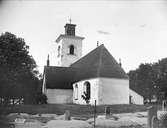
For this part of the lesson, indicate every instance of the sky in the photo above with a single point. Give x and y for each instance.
(133, 30)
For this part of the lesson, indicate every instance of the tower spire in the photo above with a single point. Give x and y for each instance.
(70, 20)
(48, 61)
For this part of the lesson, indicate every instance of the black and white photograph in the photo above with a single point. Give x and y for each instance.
(83, 64)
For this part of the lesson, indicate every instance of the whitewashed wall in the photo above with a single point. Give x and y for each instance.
(113, 91)
(59, 58)
(77, 95)
(136, 98)
(59, 96)
(104, 91)
(65, 59)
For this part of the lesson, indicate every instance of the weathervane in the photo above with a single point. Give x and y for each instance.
(70, 20)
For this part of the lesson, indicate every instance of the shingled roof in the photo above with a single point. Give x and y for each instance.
(59, 77)
(97, 63)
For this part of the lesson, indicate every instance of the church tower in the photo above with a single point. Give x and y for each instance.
(69, 46)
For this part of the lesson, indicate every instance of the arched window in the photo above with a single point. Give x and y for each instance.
(87, 89)
(71, 49)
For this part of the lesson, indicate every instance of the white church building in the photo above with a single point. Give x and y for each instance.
(95, 76)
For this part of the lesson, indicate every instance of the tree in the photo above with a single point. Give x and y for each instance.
(41, 98)
(17, 68)
(143, 80)
(161, 81)
(150, 80)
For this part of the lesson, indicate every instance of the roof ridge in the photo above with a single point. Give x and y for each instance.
(87, 54)
(99, 63)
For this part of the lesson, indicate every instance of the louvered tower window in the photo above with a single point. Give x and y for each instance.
(71, 49)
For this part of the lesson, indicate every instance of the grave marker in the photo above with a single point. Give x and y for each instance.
(67, 115)
(107, 112)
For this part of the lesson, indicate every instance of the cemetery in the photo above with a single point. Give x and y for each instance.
(148, 117)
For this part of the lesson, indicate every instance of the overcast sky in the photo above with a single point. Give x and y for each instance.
(133, 30)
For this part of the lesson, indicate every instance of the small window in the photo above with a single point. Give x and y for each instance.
(71, 49)
(58, 51)
(76, 92)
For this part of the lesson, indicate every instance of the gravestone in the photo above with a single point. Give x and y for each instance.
(164, 105)
(27, 123)
(67, 115)
(19, 122)
(107, 112)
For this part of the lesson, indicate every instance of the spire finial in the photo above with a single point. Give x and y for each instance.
(48, 61)
(70, 20)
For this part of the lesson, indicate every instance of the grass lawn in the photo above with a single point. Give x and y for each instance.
(75, 110)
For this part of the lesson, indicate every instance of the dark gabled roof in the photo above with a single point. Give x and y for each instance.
(98, 63)
(59, 77)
